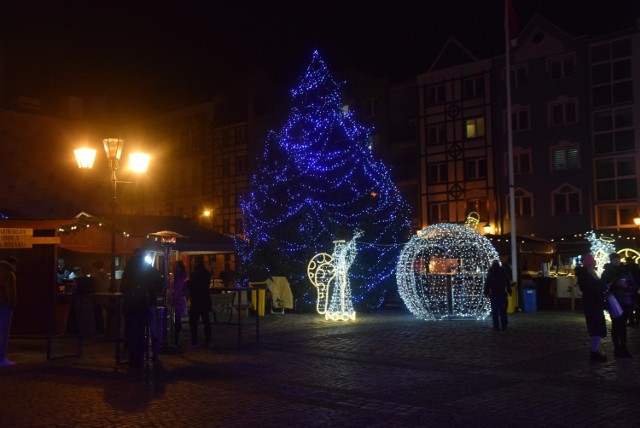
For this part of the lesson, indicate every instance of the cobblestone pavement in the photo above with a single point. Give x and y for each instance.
(387, 369)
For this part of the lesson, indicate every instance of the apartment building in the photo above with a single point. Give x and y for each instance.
(574, 141)
(456, 154)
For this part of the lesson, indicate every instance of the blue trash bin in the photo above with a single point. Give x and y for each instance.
(529, 299)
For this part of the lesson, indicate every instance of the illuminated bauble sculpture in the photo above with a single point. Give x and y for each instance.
(441, 273)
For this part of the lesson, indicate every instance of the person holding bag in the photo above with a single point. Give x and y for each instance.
(593, 296)
(621, 285)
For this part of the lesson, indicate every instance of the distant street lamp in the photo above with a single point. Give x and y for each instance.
(487, 228)
(138, 163)
(208, 214)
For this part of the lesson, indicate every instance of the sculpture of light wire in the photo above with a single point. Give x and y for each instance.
(441, 273)
(321, 272)
(341, 305)
(600, 249)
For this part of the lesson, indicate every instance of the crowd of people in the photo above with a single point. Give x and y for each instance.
(619, 281)
(142, 286)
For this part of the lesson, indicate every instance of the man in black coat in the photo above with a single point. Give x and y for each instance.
(198, 285)
(497, 287)
(140, 285)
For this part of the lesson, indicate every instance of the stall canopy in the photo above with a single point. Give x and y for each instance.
(90, 234)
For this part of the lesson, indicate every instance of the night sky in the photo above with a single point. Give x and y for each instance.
(159, 54)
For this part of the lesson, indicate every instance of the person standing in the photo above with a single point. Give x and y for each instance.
(622, 287)
(593, 296)
(8, 301)
(634, 273)
(200, 302)
(140, 284)
(497, 287)
(176, 297)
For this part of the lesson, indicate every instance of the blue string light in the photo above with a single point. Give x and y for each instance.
(317, 182)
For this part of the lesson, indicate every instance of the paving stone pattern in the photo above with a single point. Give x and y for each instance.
(387, 369)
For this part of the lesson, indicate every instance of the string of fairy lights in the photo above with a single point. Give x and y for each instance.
(441, 272)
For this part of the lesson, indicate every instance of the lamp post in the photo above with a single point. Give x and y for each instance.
(113, 149)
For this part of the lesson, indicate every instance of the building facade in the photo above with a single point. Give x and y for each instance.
(573, 110)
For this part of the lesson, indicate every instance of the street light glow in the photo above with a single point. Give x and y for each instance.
(139, 162)
(85, 157)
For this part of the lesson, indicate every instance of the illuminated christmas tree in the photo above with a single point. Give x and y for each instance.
(318, 182)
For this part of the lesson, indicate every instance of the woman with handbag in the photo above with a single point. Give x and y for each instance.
(593, 295)
(621, 285)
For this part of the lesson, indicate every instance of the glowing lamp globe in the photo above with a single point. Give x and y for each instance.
(441, 273)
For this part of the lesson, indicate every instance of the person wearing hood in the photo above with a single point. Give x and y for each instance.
(593, 295)
(8, 301)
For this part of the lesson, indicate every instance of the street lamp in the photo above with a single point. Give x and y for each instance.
(113, 149)
(208, 214)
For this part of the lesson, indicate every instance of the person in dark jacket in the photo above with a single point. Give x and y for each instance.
(140, 286)
(497, 287)
(621, 285)
(198, 285)
(593, 296)
(634, 273)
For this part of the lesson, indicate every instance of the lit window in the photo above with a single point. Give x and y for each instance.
(474, 127)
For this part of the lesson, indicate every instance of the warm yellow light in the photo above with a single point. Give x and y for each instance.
(207, 213)
(487, 228)
(85, 157)
(113, 147)
(139, 162)
(637, 221)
